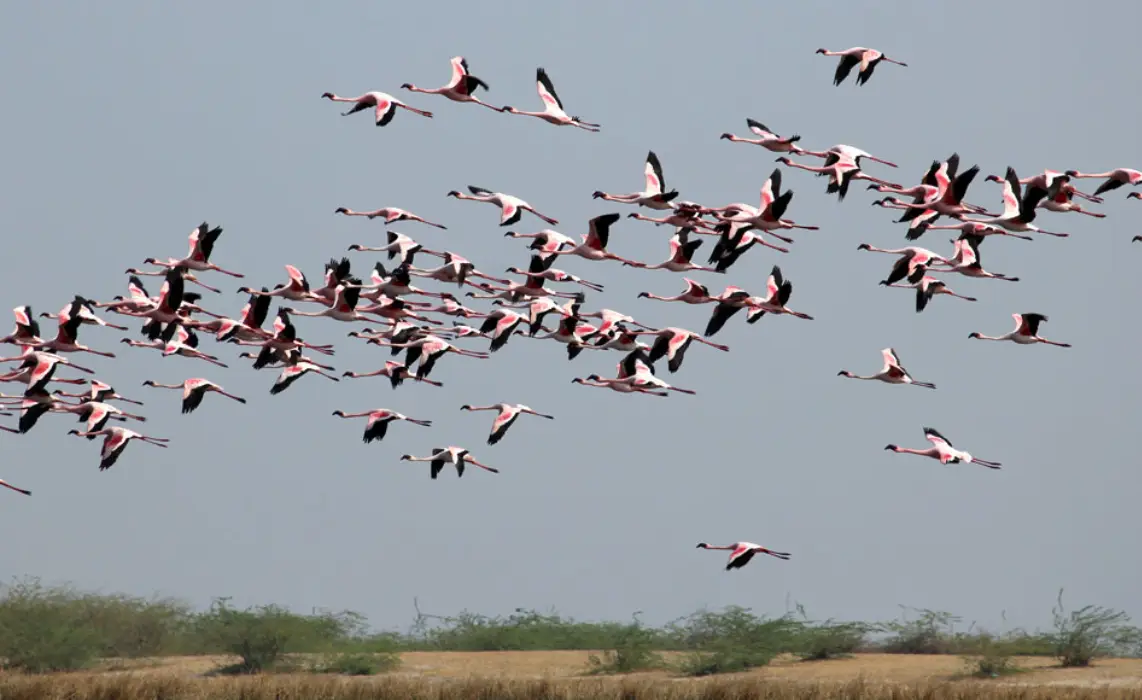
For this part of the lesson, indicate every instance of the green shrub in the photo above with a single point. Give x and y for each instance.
(1091, 632)
(633, 651)
(44, 629)
(930, 633)
(262, 636)
(991, 656)
(732, 640)
(349, 663)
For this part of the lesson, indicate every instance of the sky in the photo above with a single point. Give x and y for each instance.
(130, 123)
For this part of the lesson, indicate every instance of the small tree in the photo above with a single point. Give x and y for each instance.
(930, 633)
(733, 640)
(1090, 632)
(817, 641)
(45, 629)
(263, 635)
(634, 651)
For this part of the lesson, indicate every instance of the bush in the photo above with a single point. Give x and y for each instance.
(818, 641)
(356, 663)
(992, 656)
(1090, 632)
(732, 640)
(930, 633)
(45, 629)
(262, 636)
(633, 651)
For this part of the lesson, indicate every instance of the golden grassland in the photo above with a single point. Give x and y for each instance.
(560, 674)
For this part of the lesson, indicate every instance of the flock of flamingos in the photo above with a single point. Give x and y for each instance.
(174, 320)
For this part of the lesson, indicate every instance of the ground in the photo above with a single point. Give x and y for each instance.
(899, 668)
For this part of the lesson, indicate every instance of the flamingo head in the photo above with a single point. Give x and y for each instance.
(782, 159)
(514, 270)
(1072, 173)
(405, 458)
(1134, 195)
(891, 447)
(453, 193)
(339, 412)
(993, 178)
(327, 96)
(148, 383)
(125, 340)
(644, 294)
(407, 86)
(820, 51)
(726, 136)
(149, 261)
(355, 246)
(974, 334)
(341, 210)
(863, 246)
(844, 373)
(508, 108)
(465, 407)
(73, 432)
(702, 545)
(597, 194)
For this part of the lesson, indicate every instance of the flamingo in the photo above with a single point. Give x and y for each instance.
(82, 309)
(17, 489)
(202, 240)
(395, 371)
(926, 287)
(910, 258)
(540, 268)
(849, 153)
(176, 340)
(654, 196)
(552, 106)
(507, 413)
(33, 405)
(389, 214)
(460, 88)
(297, 289)
(967, 260)
(682, 249)
(187, 276)
(115, 441)
(101, 391)
(96, 413)
(430, 348)
(734, 239)
(293, 372)
(571, 333)
(695, 294)
(1018, 212)
(971, 228)
(540, 307)
(943, 450)
(384, 104)
(768, 216)
(1114, 178)
(27, 328)
(867, 59)
(672, 343)
(193, 391)
(66, 339)
(398, 244)
(730, 301)
(545, 241)
(742, 552)
(684, 214)
(841, 173)
(778, 291)
(165, 309)
(619, 385)
(37, 368)
(379, 419)
(511, 207)
(458, 456)
(594, 245)
(914, 230)
(892, 373)
(1060, 198)
(344, 304)
(767, 139)
(501, 324)
(1026, 331)
(610, 318)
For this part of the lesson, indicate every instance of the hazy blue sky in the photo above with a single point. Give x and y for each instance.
(129, 123)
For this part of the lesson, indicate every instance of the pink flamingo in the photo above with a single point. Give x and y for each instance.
(942, 450)
(552, 106)
(379, 420)
(867, 59)
(742, 552)
(460, 88)
(385, 105)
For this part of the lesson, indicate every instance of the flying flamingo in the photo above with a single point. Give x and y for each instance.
(511, 207)
(942, 450)
(892, 373)
(594, 245)
(460, 88)
(695, 294)
(867, 59)
(654, 196)
(768, 215)
(293, 372)
(552, 106)
(545, 241)
(193, 391)
(926, 287)
(37, 368)
(202, 240)
(971, 228)
(344, 306)
(841, 173)
(540, 268)
(1047, 178)
(1114, 178)
(682, 249)
(66, 339)
(742, 552)
(966, 261)
(187, 276)
(101, 391)
(734, 239)
(778, 291)
(458, 456)
(848, 153)
(428, 350)
(385, 105)
(395, 371)
(672, 343)
(1026, 331)
(1060, 198)
(115, 441)
(767, 139)
(389, 214)
(501, 324)
(379, 420)
(910, 258)
(1018, 212)
(17, 489)
(27, 328)
(96, 413)
(507, 413)
(620, 385)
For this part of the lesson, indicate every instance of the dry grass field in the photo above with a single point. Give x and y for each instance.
(537, 665)
(553, 675)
